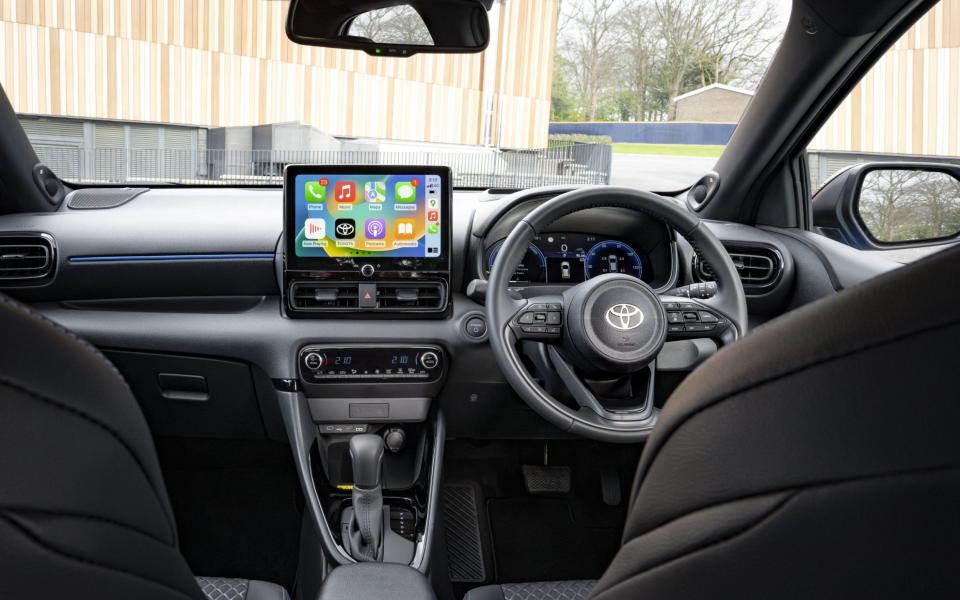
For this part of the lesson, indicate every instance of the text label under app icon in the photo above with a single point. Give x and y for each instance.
(375, 191)
(345, 229)
(405, 229)
(315, 229)
(345, 191)
(375, 229)
(405, 191)
(314, 191)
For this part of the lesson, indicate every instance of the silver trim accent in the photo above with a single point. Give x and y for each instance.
(621, 316)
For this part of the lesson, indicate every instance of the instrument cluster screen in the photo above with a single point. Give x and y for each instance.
(571, 258)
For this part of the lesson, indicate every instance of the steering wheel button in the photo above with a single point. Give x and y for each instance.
(695, 327)
(706, 317)
(675, 329)
(540, 317)
(553, 318)
(553, 330)
(690, 316)
(526, 318)
(554, 307)
(674, 317)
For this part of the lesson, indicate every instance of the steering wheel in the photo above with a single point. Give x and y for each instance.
(596, 343)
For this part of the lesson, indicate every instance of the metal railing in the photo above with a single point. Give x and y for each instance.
(568, 164)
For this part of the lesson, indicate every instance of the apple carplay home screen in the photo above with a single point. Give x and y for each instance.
(368, 215)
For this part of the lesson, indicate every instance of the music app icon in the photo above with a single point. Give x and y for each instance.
(345, 191)
(315, 229)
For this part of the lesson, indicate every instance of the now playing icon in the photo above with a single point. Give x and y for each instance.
(375, 229)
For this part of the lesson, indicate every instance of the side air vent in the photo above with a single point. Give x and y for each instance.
(323, 296)
(26, 259)
(759, 267)
(425, 295)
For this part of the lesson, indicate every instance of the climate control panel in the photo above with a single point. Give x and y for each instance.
(367, 364)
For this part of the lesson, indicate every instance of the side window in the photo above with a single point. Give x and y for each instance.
(893, 146)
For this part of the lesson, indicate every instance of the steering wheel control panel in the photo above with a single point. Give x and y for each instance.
(370, 364)
(694, 319)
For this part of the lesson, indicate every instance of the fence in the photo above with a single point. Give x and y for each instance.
(668, 132)
(568, 164)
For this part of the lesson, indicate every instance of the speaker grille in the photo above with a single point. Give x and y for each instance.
(98, 198)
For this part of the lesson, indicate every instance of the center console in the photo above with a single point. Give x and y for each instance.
(367, 243)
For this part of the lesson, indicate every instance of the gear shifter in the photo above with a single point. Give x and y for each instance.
(366, 528)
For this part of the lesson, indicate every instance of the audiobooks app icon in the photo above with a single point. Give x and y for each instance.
(315, 229)
(405, 229)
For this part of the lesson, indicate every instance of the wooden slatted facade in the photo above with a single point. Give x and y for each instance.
(213, 63)
(909, 101)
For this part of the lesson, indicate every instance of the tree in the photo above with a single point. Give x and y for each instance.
(589, 46)
(393, 25)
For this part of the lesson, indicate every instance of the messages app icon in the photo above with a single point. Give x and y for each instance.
(313, 191)
(405, 191)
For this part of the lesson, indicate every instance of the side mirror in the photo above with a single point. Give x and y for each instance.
(875, 206)
(391, 28)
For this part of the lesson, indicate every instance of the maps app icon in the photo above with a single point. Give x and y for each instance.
(375, 191)
(375, 228)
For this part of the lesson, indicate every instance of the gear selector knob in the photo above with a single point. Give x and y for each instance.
(366, 454)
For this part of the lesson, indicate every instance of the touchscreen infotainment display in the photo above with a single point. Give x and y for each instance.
(367, 214)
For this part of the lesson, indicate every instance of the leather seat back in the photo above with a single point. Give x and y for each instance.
(817, 458)
(83, 506)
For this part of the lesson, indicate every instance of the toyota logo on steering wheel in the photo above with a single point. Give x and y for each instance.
(624, 316)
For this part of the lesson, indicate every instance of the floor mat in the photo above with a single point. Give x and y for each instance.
(537, 539)
(461, 520)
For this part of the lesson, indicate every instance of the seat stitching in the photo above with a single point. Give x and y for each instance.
(37, 540)
(793, 491)
(91, 419)
(741, 531)
(26, 511)
(641, 477)
(44, 320)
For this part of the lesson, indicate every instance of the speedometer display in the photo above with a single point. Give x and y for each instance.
(532, 269)
(611, 256)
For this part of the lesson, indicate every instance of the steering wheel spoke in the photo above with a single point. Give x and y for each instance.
(539, 318)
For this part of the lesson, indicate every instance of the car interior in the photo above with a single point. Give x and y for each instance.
(559, 392)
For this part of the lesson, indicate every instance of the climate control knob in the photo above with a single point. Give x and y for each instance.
(313, 361)
(429, 360)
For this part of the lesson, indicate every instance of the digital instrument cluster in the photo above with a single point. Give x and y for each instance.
(571, 258)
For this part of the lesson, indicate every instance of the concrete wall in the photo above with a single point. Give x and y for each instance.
(715, 105)
(653, 133)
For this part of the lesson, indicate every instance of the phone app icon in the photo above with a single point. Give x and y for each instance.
(433, 228)
(405, 228)
(433, 215)
(345, 191)
(375, 191)
(314, 191)
(405, 191)
(345, 229)
(315, 229)
(375, 229)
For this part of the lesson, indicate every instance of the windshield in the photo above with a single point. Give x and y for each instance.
(643, 93)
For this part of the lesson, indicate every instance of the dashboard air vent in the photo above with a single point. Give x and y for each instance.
(321, 296)
(759, 267)
(421, 295)
(26, 259)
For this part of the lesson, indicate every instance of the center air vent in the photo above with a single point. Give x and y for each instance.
(26, 259)
(332, 296)
(759, 267)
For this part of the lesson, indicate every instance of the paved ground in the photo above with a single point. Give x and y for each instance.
(658, 173)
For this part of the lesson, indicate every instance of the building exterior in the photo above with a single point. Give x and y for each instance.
(123, 70)
(908, 104)
(716, 103)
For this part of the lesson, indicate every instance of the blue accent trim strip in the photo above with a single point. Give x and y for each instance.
(170, 257)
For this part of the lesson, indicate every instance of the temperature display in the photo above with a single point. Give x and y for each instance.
(345, 364)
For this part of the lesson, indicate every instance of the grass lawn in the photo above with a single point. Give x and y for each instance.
(668, 149)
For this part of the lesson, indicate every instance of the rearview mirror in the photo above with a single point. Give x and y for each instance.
(882, 205)
(389, 28)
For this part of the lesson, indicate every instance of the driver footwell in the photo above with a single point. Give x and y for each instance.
(520, 532)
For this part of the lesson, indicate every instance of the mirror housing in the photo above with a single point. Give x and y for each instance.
(900, 193)
(455, 26)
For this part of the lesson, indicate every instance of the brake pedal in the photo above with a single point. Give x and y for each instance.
(544, 479)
